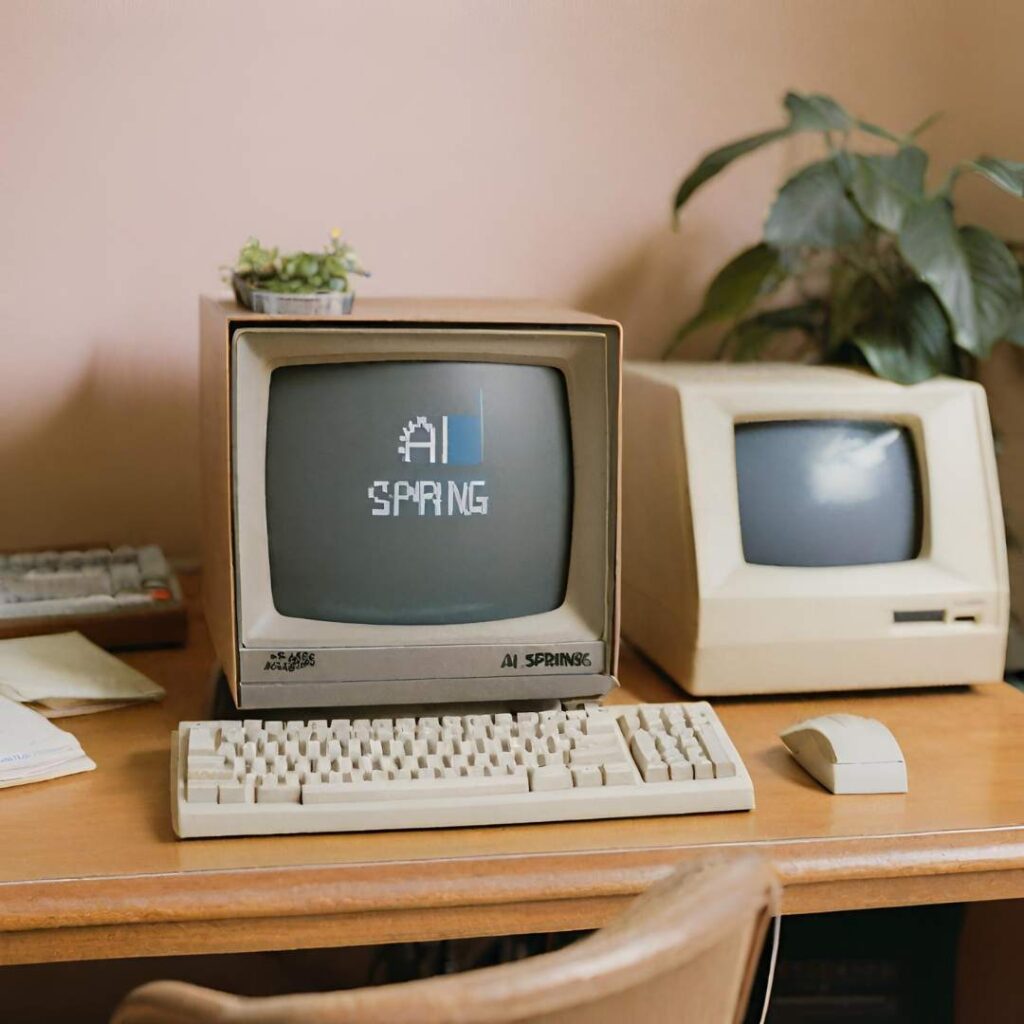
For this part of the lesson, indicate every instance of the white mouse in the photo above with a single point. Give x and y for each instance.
(848, 754)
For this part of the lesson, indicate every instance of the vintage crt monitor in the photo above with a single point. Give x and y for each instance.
(415, 504)
(797, 528)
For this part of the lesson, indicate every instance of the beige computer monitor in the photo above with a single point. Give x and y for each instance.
(719, 625)
(281, 660)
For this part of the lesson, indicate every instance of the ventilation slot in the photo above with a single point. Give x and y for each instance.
(925, 615)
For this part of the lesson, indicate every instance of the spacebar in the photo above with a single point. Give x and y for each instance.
(411, 789)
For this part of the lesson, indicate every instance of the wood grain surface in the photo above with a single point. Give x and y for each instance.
(692, 942)
(89, 866)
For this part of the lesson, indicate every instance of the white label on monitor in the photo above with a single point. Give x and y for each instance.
(385, 663)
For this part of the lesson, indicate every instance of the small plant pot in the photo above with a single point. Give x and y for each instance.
(291, 304)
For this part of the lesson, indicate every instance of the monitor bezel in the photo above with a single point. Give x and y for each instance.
(356, 652)
(956, 528)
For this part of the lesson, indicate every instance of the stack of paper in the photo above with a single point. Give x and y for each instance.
(33, 749)
(65, 674)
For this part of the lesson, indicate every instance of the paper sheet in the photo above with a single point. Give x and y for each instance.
(66, 674)
(33, 749)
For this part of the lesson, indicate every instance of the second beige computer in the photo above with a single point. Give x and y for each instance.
(797, 528)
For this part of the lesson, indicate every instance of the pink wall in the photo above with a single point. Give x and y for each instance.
(510, 147)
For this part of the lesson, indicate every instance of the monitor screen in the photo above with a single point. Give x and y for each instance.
(828, 492)
(418, 493)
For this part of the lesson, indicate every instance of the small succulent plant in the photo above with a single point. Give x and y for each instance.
(298, 273)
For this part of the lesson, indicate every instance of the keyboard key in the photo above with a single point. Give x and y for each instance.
(587, 776)
(201, 741)
(715, 750)
(202, 791)
(591, 755)
(546, 778)
(413, 789)
(618, 774)
(235, 792)
(272, 792)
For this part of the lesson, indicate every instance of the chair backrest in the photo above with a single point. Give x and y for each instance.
(685, 951)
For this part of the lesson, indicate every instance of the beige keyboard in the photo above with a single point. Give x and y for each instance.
(352, 775)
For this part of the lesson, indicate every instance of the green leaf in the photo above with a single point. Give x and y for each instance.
(812, 209)
(926, 326)
(746, 277)
(913, 343)
(855, 299)
(930, 243)
(885, 187)
(1007, 174)
(805, 316)
(1015, 332)
(819, 113)
(924, 125)
(907, 167)
(890, 355)
(814, 112)
(718, 159)
(748, 341)
(748, 338)
(976, 280)
(996, 284)
(880, 132)
(810, 112)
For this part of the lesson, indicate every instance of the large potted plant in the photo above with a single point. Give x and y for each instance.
(862, 258)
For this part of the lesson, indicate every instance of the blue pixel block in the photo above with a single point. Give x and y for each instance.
(465, 441)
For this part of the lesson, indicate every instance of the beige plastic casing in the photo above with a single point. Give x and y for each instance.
(719, 625)
(347, 664)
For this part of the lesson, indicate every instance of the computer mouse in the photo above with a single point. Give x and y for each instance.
(848, 754)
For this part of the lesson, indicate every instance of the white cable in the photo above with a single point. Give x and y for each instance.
(771, 968)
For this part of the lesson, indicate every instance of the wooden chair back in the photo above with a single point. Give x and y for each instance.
(685, 951)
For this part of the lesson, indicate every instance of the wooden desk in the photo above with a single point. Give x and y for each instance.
(89, 866)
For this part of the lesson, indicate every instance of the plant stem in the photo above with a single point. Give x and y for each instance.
(866, 268)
